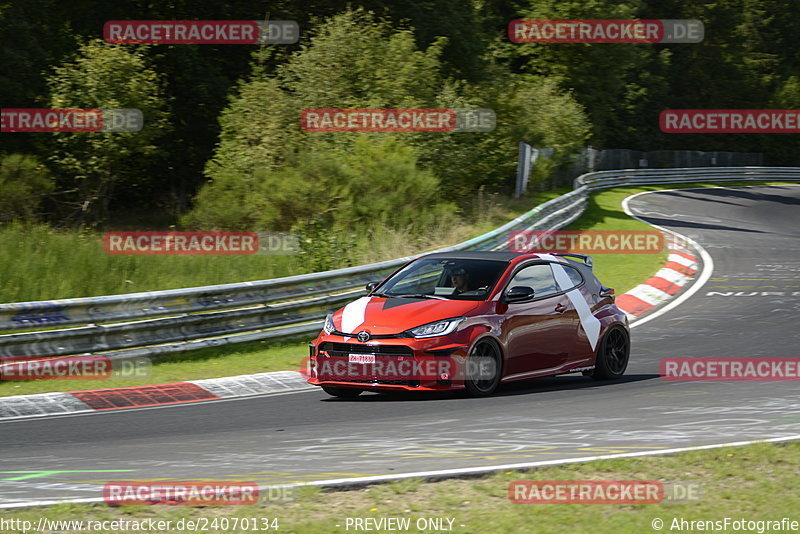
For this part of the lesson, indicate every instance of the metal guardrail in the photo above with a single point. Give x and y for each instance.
(183, 319)
(606, 179)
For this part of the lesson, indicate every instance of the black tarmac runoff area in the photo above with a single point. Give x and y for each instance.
(749, 307)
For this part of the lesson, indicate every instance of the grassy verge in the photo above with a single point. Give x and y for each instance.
(757, 482)
(42, 263)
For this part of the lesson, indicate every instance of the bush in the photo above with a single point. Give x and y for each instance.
(384, 185)
(376, 182)
(323, 248)
(23, 181)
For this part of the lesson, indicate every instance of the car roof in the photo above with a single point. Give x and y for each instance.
(497, 255)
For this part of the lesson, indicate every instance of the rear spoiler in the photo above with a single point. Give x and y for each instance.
(587, 260)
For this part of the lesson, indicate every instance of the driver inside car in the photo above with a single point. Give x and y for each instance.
(460, 280)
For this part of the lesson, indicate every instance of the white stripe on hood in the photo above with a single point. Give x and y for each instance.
(353, 315)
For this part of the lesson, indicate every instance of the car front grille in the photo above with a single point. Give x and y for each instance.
(343, 349)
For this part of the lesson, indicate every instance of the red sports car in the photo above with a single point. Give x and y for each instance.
(472, 320)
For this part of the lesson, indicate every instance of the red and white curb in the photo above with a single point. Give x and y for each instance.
(99, 400)
(681, 268)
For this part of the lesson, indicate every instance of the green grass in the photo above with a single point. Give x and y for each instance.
(756, 482)
(42, 263)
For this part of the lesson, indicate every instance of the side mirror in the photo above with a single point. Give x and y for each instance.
(370, 286)
(519, 294)
(607, 292)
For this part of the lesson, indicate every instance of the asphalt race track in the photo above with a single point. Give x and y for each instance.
(749, 307)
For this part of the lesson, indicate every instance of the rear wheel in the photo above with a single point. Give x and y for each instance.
(612, 355)
(483, 369)
(342, 393)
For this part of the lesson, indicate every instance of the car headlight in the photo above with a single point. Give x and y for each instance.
(328, 328)
(439, 328)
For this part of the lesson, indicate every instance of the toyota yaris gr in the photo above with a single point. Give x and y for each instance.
(472, 320)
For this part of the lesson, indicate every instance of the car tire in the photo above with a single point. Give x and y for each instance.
(477, 386)
(342, 393)
(612, 354)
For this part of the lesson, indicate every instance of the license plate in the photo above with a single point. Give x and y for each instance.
(361, 358)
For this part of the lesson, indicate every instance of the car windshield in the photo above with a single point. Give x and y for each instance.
(443, 278)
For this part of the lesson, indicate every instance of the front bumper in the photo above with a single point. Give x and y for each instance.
(410, 364)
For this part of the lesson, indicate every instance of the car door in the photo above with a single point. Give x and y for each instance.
(540, 332)
(581, 348)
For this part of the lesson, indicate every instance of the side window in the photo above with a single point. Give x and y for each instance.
(539, 277)
(574, 275)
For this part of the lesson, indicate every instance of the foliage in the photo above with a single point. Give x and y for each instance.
(528, 108)
(23, 181)
(377, 181)
(233, 112)
(266, 173)
(105, 76)
(323, 248)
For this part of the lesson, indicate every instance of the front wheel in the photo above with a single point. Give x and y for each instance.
(613, 354)
(342, 393)
(483, 369)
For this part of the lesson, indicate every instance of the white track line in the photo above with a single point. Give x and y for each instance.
(708, 263)
(447, 473)
(451, 473)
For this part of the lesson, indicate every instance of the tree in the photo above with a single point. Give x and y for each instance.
(528, 108)
(351, 60)
(617, 84)
(354, 60)
(92, 164)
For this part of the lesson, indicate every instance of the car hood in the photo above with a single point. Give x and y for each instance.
(392, 315)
